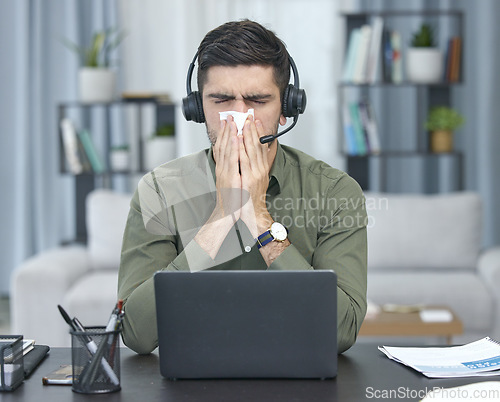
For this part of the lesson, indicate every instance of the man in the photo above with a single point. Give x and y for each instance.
(226, 207)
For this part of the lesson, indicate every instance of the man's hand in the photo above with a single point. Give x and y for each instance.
(228, 186)
(255, 167)
(228, 182)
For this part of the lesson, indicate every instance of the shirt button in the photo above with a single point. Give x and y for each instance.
(248, 249)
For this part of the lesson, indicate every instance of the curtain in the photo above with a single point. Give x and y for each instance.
(36, 72)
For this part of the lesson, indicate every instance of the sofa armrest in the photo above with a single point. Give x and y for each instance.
(38, 285)
(489, 270)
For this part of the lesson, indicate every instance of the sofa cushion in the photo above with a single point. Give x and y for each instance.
(107, 213)
(423, 231)
(93, 297)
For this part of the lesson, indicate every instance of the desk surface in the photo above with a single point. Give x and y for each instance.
(363, 373)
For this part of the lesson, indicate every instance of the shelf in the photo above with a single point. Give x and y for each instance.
(404, 112)
(109, 125)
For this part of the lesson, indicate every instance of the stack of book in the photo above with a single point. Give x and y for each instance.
(363, 53)
(360, 129)
(79, 149)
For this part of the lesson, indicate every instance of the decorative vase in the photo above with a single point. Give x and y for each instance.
(441, 141)
(159, 150)
(96, 84)
(119, 159)
(424, 65)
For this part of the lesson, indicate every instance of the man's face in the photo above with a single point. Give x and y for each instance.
(241, 88)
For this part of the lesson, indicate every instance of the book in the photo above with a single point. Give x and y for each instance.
(350, 58)
(94, 158)
(374, 49)
(70, 144)
(359, 73)
(447, 63)
(28, 345)
(397, 64)
(360, 138)
(370, 125)
(86, 166)
(455, 59)
(349, 134)
(387, 56)
(479, 358)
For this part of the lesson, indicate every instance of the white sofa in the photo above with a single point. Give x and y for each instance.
(83, 279)
(427, 249)
(421, 249)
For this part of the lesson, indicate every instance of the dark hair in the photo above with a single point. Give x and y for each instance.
(243, 43)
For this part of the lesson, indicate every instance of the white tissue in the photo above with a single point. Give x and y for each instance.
(239, 118)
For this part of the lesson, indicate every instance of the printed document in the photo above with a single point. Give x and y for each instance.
(479, 358)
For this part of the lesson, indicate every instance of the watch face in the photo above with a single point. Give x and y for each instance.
(278, 231)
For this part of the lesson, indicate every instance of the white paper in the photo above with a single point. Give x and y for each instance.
(11, 373)
(479, 358)
(239, 118)
(436, 316)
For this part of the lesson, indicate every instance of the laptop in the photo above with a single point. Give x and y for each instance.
(247, 324)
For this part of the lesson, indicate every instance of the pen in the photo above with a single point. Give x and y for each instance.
(113, 319)
(66, 317)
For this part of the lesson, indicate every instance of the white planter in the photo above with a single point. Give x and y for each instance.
(96, 84)
(159, 150)
(424, 65)
(119, 159)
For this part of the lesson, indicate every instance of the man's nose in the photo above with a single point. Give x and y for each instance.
(240, 105)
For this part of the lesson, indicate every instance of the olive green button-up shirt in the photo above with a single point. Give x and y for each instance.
(322, 208)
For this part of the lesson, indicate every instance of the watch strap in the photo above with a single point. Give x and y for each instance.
(264, 238)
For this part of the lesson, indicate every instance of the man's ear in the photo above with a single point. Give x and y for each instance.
(282, 120)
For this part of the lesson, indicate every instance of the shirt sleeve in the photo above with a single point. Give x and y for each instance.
(341, 247)
(150, 244)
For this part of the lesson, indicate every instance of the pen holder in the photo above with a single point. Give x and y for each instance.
(95, 356)
(11, 362)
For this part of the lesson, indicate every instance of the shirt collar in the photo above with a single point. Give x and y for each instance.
(276, 175)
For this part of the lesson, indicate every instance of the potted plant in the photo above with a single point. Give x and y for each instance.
(119, 158)
(160, 147)
(96, 80)
(441, 122)
(424, 61)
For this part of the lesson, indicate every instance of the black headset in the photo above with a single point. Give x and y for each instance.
(294, 101)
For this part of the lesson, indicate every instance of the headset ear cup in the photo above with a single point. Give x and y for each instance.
(200, 115)
(192, 107)
(294, 101)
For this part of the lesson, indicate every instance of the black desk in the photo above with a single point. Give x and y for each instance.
(364, 374)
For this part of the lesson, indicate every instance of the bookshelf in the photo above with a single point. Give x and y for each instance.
(124, 122)
(404, 146)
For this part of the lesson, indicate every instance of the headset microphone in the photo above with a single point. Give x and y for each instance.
(294, 101)
(270, 138)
